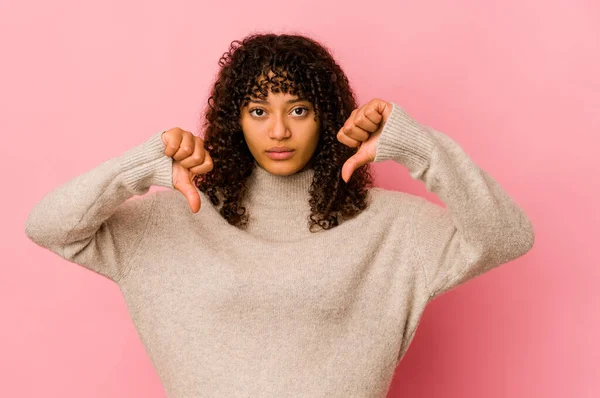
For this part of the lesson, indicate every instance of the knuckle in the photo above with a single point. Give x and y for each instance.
(174, 132)
(198, 157)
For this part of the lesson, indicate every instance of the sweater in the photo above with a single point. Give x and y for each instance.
(276, 310)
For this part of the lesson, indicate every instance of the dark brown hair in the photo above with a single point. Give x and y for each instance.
(300, 66)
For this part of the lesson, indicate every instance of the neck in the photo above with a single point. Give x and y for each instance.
(278, 205)
(277, 191)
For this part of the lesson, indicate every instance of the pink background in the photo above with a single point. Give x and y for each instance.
(516, 83)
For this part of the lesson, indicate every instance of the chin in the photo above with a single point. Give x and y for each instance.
(281, 167)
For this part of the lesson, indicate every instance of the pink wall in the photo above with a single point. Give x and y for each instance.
(516, 83)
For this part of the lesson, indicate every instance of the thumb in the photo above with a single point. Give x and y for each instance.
(191, 194)
(192, 197)
(353, 163)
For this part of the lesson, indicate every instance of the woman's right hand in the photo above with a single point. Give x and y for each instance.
(189, 158)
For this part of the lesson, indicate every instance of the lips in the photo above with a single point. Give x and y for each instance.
(285, 149)
(280, 155)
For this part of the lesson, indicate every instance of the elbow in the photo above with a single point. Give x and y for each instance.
(519, 239)
(508, 243)
(528, 235)
(33, 228)
(36, 230)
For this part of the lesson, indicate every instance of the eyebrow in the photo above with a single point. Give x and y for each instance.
(292, 101)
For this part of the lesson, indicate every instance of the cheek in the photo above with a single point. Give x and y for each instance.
(314, 134)
(253, 142)
(248, 132)
(250, 141)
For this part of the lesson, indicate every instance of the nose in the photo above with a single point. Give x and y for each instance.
(279, 129)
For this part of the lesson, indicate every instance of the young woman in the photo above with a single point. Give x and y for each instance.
(291, 276)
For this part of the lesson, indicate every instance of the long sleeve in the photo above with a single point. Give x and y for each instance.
(481, 226)
(89, 220)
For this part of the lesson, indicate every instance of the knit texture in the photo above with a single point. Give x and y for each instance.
(275, 310)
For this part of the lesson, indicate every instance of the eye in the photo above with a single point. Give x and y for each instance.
(301, 108)
(255, 109)
(294, 110)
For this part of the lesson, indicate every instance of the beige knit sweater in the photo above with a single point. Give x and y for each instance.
(278, 311)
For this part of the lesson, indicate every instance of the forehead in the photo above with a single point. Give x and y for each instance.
(273, 84)
(277, 98)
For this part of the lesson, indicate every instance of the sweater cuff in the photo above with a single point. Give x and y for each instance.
(404, 140)
(146, 164)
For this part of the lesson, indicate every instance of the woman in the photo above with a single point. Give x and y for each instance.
(297, 278)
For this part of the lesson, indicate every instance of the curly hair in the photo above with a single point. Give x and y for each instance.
(287, 63)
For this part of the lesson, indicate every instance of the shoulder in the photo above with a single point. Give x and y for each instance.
(402, 204)
(174, 202)
(174, 197)
(386, 197)
(168, 197)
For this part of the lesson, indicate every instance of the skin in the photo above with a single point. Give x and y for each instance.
(189, 158)
(280, 123)
(362, 130)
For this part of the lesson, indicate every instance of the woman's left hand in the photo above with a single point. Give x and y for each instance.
(362, 130)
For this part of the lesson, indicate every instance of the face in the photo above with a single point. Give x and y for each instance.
(280, 121)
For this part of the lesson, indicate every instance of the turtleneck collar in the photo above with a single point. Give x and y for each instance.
(278, 205)
(268, 190)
